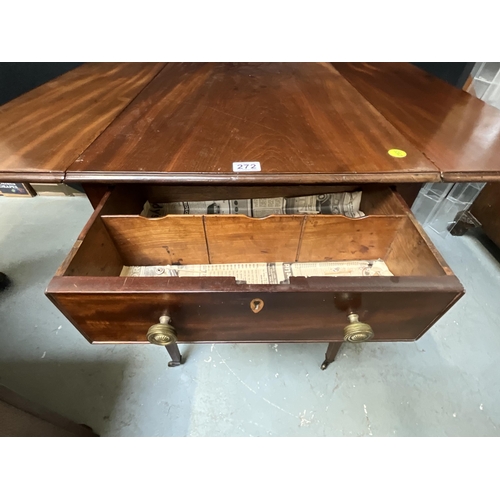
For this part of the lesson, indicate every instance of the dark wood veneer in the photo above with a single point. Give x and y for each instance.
(45, 130)
(109, 308)
(458, 132)
(303, 121)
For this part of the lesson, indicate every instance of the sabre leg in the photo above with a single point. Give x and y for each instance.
(331, 352)
(175, 354)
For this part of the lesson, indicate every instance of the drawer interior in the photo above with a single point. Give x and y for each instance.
(117, 236)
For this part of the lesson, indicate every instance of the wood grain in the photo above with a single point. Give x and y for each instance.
(459, 133)
(409, 255)
(238, 238)
(45, 130)
(302, 121)
(334, 237)
(122, 313)
(94, 252)
(110, 241)
(341, 284)
(417, 236)
(377, 200)
(174, 239)
(168, 193)
(223, 239)
(95, 193)
(486, 209)
(114, 309)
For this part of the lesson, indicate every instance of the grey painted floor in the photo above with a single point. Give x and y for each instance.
(446, 384)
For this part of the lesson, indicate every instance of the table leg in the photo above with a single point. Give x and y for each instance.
(95, 192)
(331, 352)
(409, 192)
(463, 222)
(175, 354)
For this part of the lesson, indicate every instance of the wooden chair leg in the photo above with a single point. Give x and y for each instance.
(331, 352)
(175, 354)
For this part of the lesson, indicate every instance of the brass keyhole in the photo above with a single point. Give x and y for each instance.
(256, 305)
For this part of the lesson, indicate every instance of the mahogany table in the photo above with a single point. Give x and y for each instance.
(173, 132)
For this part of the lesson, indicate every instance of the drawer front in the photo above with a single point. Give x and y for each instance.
(228, 317)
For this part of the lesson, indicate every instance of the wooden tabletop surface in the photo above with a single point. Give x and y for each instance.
(304, 123)
(459, 133)
(44, 131)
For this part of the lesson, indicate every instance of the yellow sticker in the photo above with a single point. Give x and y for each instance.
(397, 153)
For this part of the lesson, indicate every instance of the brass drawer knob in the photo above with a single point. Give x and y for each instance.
(162, 333)
(356, 331)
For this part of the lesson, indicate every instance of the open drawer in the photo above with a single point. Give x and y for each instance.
(106, 307)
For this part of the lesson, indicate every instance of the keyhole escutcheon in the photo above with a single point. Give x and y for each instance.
(256, 305)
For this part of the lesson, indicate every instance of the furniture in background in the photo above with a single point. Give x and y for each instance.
(20, 417)
(484, 213)
(440, 206)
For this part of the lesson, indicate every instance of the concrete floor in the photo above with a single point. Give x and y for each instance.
(446, 384)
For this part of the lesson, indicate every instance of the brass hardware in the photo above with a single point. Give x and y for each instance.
(162, 333)
(356, 331)
(256, 305)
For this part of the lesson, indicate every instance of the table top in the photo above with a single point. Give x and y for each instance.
(459, 133)
(303, 122)
(44, 131)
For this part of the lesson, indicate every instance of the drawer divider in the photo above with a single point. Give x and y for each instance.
(299, 246)
(206, 240)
